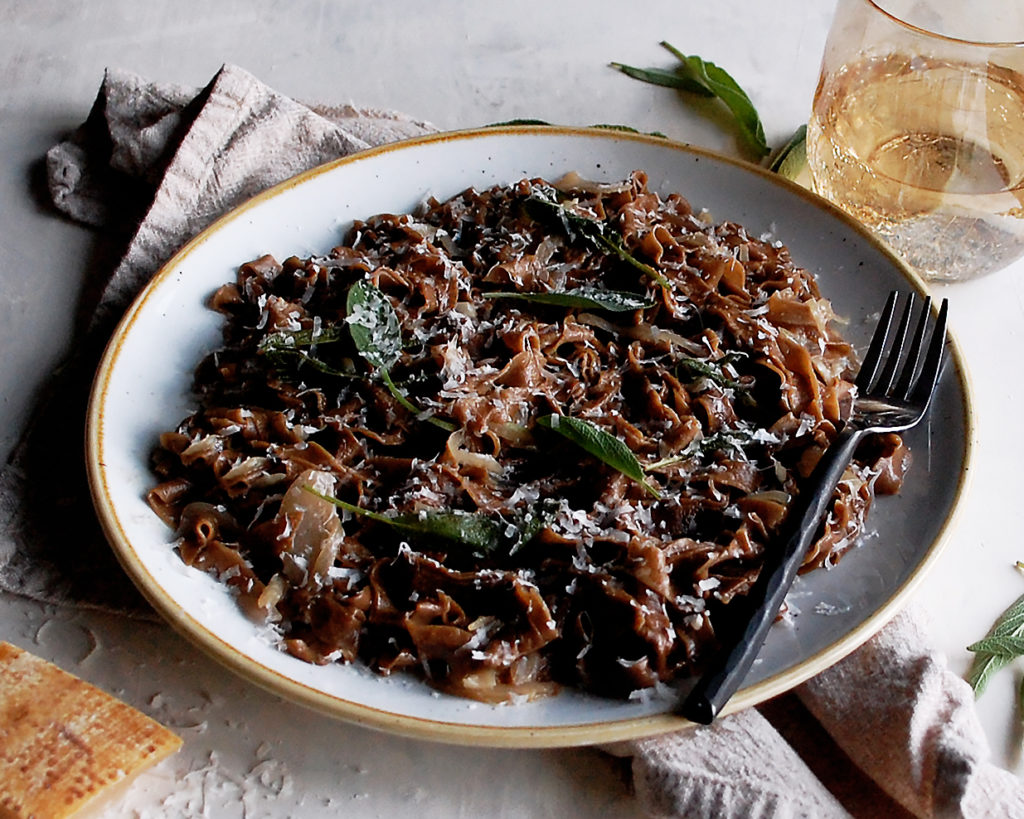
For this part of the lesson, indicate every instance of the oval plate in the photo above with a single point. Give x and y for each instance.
(143, 388)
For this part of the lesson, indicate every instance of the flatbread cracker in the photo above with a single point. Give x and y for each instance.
(64, 742)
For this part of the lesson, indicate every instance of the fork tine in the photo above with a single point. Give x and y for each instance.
(873, 357)
(933, 360)
(913, 357)
(892, 363)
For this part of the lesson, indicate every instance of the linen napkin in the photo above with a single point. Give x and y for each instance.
(156, 162)
(887, 732)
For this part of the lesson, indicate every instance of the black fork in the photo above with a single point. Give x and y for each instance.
(894, 389)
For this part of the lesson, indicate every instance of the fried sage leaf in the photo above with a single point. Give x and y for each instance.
(377, 334)
(374, 325)
(714, 371)
(543, 205)
(481, 535)
(602, 445)
(586, 298)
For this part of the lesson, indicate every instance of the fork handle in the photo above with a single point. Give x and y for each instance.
(759, 608)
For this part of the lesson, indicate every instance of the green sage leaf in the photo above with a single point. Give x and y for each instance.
(301, 344)
(602, 445)
(527, 121)
(482, 535)
(1003, 635)
(478, 532)
(377, 334)
(466, 528)
(1007, 645)
(667, 78)
(373, 324)
(518, 121)
(719, 83)
(713, 370)
(627, 129)
(791, 159)
(728, 441)
(287, 340)
(1011, 621)
(698, 76)
(586, 298)
(982, 669)
(531, 522)
(278, 356)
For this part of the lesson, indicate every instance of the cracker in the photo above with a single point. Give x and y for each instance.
(64, 742)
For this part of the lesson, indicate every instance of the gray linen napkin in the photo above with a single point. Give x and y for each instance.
(158, 162)
(887, 732)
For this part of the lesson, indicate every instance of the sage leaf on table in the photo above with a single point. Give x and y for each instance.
(627, 129)
(602, 445)
(1009, 644)
(791, 159)
(543, 205)
(518, 121)
(377, 334)
(1004, 643)
(698, 76)
(608, 126)
(586, 298)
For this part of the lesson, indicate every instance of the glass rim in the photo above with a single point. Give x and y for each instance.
(947, 37)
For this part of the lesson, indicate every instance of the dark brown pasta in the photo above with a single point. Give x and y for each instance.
(425, 508)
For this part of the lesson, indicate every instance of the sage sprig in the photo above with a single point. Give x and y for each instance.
(602, 445)
(698, 76)
(1004, 643)
(585, 298)
(543, 205)
(377, 334)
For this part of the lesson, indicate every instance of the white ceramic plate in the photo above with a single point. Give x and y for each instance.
(143, 383)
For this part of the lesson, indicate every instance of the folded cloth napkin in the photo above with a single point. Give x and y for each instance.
(887, 732)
